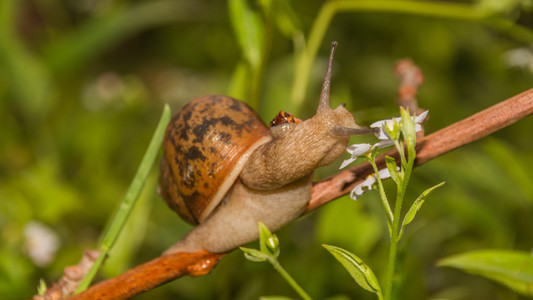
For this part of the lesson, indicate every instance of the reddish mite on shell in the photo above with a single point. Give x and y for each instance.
(284, 117)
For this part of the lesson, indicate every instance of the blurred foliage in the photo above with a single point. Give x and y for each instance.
(83, 83)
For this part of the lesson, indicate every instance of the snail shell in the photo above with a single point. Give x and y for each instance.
(206, 145)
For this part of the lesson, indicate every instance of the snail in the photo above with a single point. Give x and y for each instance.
(224, 170)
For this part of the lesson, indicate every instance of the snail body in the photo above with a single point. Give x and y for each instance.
(224, 170)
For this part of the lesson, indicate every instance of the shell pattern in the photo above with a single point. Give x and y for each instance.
(203, 142)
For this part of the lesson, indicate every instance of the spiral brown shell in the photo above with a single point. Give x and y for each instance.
(205, 144)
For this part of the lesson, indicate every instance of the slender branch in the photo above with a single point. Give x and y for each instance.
(169, 267)
(436, 144)
(152, 274)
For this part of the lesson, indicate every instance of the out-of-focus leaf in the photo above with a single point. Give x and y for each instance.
(361, 273)
(274, 298)
(248, 27)
(513, 269)
(513, 164)
(286, 19)
(502, 7)
(75, 49)
(27, 77)
(240, 79)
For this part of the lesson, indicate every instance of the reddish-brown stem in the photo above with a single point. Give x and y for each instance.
(169, 267)
(411, 77)
(449, 138)
(152, 274)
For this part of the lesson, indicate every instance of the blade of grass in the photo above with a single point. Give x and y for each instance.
(126, 206)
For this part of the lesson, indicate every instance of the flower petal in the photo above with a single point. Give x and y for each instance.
(421, 117)
(384, 173)
(347, 162)
(357, 150)
(366, 185)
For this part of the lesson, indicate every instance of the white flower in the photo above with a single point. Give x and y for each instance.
(368, 183)
(41, 243)
(390, 124)
(358, 150)
(355, 150)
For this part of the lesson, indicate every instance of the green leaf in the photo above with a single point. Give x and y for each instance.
(286, 19)
(408, 129)
(75, 49)
(394, 132)
(391, 165)
(361, 273)
(275, 298)
(41, 289)
(254, 254)
(248, 26)
(502, 7)
(268, 242)
(411, 213)
(128, 202)
(513, 269)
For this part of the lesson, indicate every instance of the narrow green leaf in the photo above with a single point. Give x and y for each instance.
(361, 273)
(27, 76)
(239, 81)
(275, 298)
(75, 49)
(286, 19)
(391, 165)
(411, 213)
(513, 269)
(254, 254)
(126, 206)
(392, 132)
(408, 129)
(248, 27)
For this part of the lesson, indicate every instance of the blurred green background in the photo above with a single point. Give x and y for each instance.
(83, 83)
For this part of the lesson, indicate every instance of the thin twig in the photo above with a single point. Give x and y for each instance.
(152, 274)
(170, 267)
(449, 138)
(411, 77)
(72, 276)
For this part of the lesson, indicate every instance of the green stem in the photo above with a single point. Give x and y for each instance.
(383, 195)
(395, 232)
(125, 208)
(289, 279)
(393, 244)
(444, 10)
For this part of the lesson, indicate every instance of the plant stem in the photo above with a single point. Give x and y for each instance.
(289, 279)
(407, 166)
(393, 243)
(383, 195)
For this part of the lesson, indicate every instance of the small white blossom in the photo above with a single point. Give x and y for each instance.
(390, 124)
(368, 183)
(356, 151)
(41, 243)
